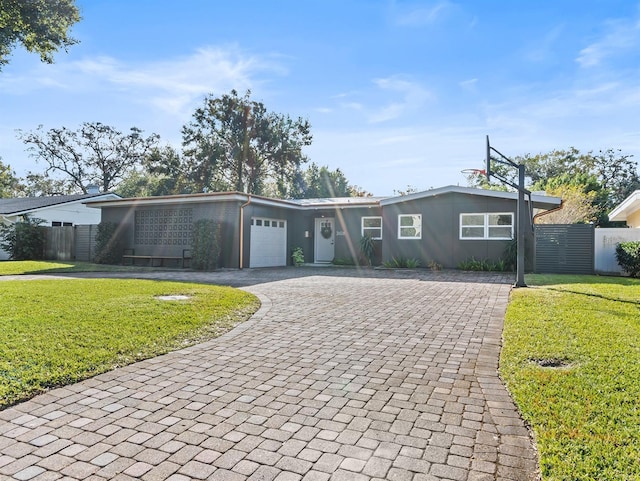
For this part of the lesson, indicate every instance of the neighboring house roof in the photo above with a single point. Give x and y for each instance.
(25, 205)
(539, 201)
(626, 208)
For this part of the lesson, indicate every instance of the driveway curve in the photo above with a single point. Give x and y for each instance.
(341, 375)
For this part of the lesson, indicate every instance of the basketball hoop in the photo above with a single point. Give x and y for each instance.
(473, 172)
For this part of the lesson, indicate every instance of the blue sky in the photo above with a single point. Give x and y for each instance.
(397, 92)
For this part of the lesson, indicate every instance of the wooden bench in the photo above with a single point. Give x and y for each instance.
(156, 260)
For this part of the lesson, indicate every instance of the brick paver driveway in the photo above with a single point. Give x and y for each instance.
(338, 376)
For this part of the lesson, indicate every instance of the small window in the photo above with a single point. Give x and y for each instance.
(274, 223)
(372, 226)
(494, 226)
(472, 226)
(281, 224)
(258, 221)
(500, 226)
(410, 226)
(267, 223)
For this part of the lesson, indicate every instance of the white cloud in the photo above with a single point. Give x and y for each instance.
(469, 85)
(545, 46)
(413, 97)
(169, 85)
(420, 15)
(623, 36)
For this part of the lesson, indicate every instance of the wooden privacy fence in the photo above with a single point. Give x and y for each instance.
(67, 243)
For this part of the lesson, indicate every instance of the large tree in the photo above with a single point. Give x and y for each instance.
(41, 26)
(234, 143)
(321, 182)
(41, 185)
(95, 154)
(163, 172)
(578, 206)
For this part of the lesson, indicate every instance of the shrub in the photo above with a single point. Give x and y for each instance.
(402, 263)
(628, 257)
(207, 245)
(24, 240)
(367, 248)
(484, 265)
(297, 256)
(510, 256)
(108, 247)
(434, 266)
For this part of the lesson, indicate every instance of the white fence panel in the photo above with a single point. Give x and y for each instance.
(605, 248)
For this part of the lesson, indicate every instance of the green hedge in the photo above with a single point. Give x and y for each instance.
(24, 240)
(628, 257)
(108, 247)
(207, 245)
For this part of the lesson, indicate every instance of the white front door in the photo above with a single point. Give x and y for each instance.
(324, 235)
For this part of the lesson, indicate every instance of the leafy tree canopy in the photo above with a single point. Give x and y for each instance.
(95, 154)
(320, 182)
(162, 172)
(234, 143)
(41, 185)
(578, 206)
(41, 26)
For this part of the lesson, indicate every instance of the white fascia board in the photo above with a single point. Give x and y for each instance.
(626, 207)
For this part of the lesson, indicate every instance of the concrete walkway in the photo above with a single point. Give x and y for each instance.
(339, 376)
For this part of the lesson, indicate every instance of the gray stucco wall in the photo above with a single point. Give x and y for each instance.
(173, 220)
(440, 240)
(440, 229)
(347, 230)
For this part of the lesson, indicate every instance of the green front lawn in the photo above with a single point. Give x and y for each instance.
(586, 412)
(56, 332)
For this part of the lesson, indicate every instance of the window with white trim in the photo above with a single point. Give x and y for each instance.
(410, 226)
(492, 225)
(372, 226)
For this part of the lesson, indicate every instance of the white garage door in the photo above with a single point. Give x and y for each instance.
(268, 242)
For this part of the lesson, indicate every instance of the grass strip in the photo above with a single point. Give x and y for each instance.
(585, 410)
(56, 332)
(14, 268)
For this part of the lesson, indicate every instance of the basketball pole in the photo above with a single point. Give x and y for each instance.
(522, 211)
(521, 206)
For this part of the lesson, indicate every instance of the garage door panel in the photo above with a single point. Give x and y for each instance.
(268, 246)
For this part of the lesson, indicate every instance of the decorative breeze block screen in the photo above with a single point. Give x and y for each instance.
(163, 227)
